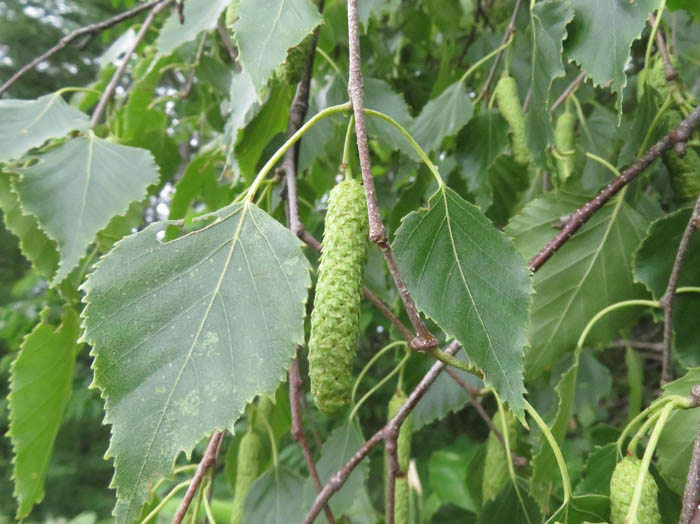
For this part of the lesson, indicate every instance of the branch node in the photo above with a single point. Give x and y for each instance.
(423, 343)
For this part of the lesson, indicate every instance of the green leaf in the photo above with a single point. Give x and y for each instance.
(591, 271)
(513, 505)
(75, 190)
(443, 116)
(186, 333)
(25, 124)
(41, 381)
(583, 509)
(689, 5)
(508, 183)
(468, 277)
(200, 15)
(380, 96)
(653, 262)
(275, 498)
(448, 476)
(601, 36)
(39, 249)
(265, 30)
(548, 22)
(598, 471)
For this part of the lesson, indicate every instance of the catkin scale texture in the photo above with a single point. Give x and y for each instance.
(506, 94)
(335, 319)
(622, 485)
(246, 471)
(403, 452)
(564, 142)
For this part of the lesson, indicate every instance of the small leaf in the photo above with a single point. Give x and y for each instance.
(275, 498)
(75, 190)
(468, 277)
(265, 29)
(582, 509)
(200, 15)
(443, 116)
(598, 470)
(186, 333)
(25, 124)
(380, 96)
(40, 385)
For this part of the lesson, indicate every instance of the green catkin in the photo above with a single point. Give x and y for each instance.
(403, 452)
(622, 485)
(335, 319)
(564, 144)
(684, 171)
(496, 462)
(506, 95)
(246, 471)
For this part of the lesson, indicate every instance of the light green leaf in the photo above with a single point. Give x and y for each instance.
(200, 15)
(591, 271)
(601, 36)
(448, 473)
(275, 498)
(548, 22)
(582, 509)
(75, 190)
(265, 30)
(40, 385)
(39, 249)
(443, 116)
(25, 124)
(468, 277)
(380, 96)
(186, 333)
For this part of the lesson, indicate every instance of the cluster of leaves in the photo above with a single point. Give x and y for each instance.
(153, 250)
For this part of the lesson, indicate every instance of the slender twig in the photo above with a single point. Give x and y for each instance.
(680, 135)
(424, 339)
(510, 31)
(384, 309)
(671, 73)
(187, 91)
(298, 434)
(208, 460)
(392, 471)
(692, 484)
(67, 39)
(109, 90)
(338, 479)
(669, 296)
(570, 89)
(226, 39)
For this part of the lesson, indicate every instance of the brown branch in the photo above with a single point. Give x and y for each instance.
(669, 296)
(392, 471)
(208, 460)
(109, 90)
(384, 309)
(295, 385)
(510, 30)
(692, 483)
(338, 479)
(88, 29)
(671, 73)
(570, 89)
(226, 39)
(424, 339)
(680, 135)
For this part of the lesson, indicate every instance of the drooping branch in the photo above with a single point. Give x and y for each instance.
(208, 460)
(226, 39)
(109, 90)
(570, 89)
(669, 296)
(669, 70)
(578, 218)
(423, 339)
(691, 493)
(67, 39)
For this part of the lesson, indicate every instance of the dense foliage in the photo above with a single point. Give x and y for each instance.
(163, 181)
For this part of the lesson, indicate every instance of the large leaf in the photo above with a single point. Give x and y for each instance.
(40, 385)
(185, 333)
(200, 15)
(39, 249)
(591, 271)
(601, 36)
(443, 116)
(265, 30)
(653, 262)
(548, 22)
(75, 190)
(275, 498)
(25, 124)
(468, 277)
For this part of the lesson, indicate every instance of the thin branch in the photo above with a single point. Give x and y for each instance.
(338, 479)
(109, 90)
(680, 135)
(669, 296)
(392, 471)
(226, 39)
(671, 73)
(384, 309)
(295, 385)
(64, 41)
(424, 339)
(510, 30)
(692, 484)
(570, 89)
(187, 91)
(208, 460)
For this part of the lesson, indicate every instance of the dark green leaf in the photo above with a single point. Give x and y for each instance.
(275, 498)
(513, 505)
